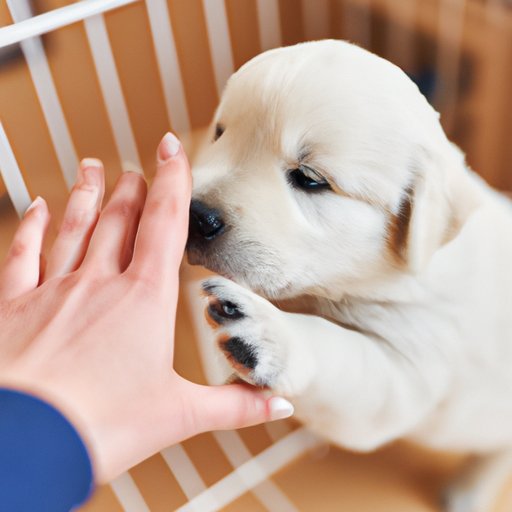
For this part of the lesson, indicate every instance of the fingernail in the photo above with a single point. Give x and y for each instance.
(90, 171)
(90, 162)
(279, 408)
(36, 204)
(128, 166)
(168, 147)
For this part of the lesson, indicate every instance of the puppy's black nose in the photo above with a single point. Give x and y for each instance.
(205, 222)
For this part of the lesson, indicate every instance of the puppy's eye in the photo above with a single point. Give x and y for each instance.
(219, 130)
(307, 179)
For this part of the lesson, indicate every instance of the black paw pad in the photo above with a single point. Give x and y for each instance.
(222, 311)
(241, 352)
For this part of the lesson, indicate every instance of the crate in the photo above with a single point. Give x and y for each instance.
(106, 78)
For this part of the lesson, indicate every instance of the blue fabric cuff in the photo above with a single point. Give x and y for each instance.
(44, 464)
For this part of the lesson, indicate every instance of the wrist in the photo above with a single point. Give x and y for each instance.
(60, 405)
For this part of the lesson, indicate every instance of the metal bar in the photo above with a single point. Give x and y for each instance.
(268, 24)
(37, 25)
(128, 494)
(11, 176)
(168, 65)
(47, 94)
(267, 492)
(220, 44)
(184, 471)
(254, 471)
(112, 92)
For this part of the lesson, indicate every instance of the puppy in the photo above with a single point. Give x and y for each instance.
(367, 271)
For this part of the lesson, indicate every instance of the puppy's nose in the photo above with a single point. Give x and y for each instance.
(205, 221)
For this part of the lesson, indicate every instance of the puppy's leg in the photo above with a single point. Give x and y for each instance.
(254, 336)
(478, 487)
(352, 388)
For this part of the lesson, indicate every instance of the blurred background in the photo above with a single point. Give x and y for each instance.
(458, 51)
(107, 78)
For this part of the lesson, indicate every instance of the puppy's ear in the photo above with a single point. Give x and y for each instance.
(432, 221)
(427, 217)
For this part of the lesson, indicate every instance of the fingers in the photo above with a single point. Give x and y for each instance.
(234, 406)
(164, 223)
(79, 220)
(21, 270)
(111, 246)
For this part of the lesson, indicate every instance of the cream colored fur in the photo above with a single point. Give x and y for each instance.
(384, 342)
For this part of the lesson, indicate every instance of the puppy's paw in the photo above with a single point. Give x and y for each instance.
(249, 331)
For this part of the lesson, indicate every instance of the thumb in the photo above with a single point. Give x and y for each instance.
(234, 406)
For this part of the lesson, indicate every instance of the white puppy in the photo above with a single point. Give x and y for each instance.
(331, 190)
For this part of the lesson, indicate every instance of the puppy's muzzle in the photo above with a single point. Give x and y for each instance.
(205, 223)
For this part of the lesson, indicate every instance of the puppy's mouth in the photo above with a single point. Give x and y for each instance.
(215, 259)
(247, 263)
(219, 243)
(211, 256)
(198, 256)
(194, 256)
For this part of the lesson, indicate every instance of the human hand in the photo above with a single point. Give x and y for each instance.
(94, 335)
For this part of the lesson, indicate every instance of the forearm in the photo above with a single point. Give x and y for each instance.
(44, 463)
(372, 393)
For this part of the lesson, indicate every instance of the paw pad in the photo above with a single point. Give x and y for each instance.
(237, 350)
(222, 311)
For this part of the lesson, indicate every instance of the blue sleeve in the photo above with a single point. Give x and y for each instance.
(44, 464)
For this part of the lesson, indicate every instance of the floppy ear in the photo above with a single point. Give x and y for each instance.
(428, 215)
(432, 222)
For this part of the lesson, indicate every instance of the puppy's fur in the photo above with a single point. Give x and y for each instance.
(382, 305)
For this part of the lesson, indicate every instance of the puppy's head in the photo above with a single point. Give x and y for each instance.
(326, 170)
